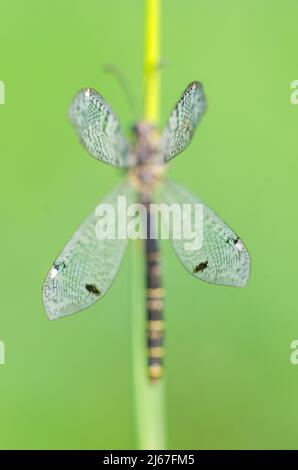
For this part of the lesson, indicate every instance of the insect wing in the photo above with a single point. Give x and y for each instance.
(98, 128)
(222, 257)
(183, 121)
(85, 269)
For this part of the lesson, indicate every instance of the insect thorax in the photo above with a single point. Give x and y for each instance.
(149, 167)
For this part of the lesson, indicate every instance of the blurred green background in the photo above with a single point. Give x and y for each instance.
(230, 382)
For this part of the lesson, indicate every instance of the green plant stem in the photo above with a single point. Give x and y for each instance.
(149, 397)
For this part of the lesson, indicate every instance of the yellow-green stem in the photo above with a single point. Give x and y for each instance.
(149, 398)
(152, 62)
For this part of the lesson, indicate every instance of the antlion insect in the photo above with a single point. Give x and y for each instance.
(87, 266)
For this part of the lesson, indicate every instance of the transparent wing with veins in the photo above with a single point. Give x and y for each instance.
(85, 269)
(98, 128)
(183, 121)
(223, 257)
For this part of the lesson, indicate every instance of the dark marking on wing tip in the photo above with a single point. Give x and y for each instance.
(92, 289)
(233, 239)
(201, 267)
(194, 84)
(59, 265)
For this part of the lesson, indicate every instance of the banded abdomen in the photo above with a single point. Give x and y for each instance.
(154, 302)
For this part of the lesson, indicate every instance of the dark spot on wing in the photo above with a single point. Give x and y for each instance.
(233, 239)
(201, 267)
(60, 266)
(92, 289)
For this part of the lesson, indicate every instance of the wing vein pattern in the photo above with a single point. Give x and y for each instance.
(223, 257)
(87, 265)
(183, 121)
(98, 128)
